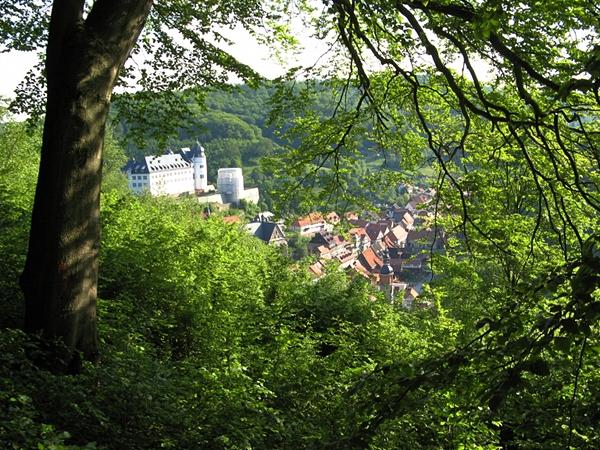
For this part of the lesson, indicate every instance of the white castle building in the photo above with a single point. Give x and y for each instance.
(186, 172)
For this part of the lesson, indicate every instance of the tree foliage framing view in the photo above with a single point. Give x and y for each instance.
(502, 95)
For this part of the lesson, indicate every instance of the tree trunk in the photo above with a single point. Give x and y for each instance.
(83, 59)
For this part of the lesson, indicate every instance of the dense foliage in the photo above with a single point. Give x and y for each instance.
(209, 339)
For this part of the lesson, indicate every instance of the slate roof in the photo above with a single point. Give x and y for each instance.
(265, 231)
(189, 153)
(153, 164)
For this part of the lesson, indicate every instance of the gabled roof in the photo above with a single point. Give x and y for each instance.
(358, 223)
(376, 230)
(360, 268)
(323, 251)
(317, 269)
(411, 293)
(370, 260)
(309, 219)
(346, 256)
(420, 198)
(407, 219)
(397, 234)
(327, 239)
(265, 231)
(359, 232)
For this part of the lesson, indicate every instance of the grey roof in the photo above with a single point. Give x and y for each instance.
(197, 149)
(264, 216)
(136, 166)
(394, 252)
(263, 230)
(189, 153)
(151, 164)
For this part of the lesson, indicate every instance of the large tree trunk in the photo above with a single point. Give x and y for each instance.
(83, 59)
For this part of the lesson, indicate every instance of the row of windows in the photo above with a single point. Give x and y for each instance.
(172, 174)
(163, 175)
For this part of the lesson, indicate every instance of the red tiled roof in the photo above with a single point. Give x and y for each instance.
(309, 219)
(323, 251)
(370, 260)
(231, 219)
(358, 231)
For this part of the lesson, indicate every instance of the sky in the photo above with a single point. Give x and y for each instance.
(14, 65)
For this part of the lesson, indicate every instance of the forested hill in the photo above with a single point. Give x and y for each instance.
(231, 125)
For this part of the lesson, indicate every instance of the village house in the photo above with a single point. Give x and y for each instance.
(401, 216)
(332, 218)
(316, 270)
(360, 238)
(310, 224)
(350, 215)
(396, 237)
(325, 242)
(346, 259)
(267, 231)
(376, 231)
(370, 261)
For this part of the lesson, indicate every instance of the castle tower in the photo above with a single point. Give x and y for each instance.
(386, 276)
(200, 169)
(230, 183)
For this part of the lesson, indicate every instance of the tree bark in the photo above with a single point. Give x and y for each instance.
(83, 58)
